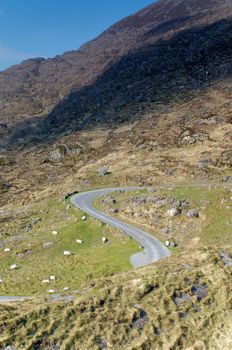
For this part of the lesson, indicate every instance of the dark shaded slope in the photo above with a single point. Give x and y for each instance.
(189, 61)
(35, 86)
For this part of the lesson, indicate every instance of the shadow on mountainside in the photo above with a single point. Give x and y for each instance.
(189, 61)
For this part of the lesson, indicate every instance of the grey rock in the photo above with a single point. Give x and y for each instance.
(47, 244)
(109, 200)
(180, 298)
(58, 153)
(226, 178)
(139, 321)
(173, 212)
(166, 230)
(227, 258)
(193, 213)
(114, 210)
(185, 203)
(200, 292)
(102, 171)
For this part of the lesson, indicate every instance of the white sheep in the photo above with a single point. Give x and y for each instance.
(6, 250)
(167, 243)
(67, 253)
(45, 281)
(84, 218)
(104, 239)
(13, 267)
(52, 278)
(51, 291)
(1, 280)
(79, 241)
(54, 232)
(65, 288)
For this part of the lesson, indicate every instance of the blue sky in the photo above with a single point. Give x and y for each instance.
(45, 28)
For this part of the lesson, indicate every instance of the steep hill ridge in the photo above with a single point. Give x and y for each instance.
(36, 85)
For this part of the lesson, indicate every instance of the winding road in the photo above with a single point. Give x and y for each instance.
(153, 249)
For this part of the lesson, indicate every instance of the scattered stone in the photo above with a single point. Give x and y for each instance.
(109, 200)
(65, 288)
(184, 203)
(104, 239)
(68, 206)
(187, 138)
(166, 230)
(193, 213)
(29, 227)
(226, 178)
(225, 158)
(182, 297)
(139, 321)
(67, 253)
(213, 120)
(200, 292)
(227, 258)
(51, 291)
(102, 171)
(79, 241)
(1, 280)
(35, 221)
(58, 153)
(187, 266)
(173, 212)
(23, 253)
(102, 343)
(45, 281)
(47, 244)
(114, 210)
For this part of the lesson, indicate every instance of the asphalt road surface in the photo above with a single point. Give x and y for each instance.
(153, 249)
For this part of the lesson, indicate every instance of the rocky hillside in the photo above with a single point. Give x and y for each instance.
(170, 46)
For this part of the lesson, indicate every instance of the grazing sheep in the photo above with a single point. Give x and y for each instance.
(13, 267)
(84, 218)
(1, 280)
(6, 250)
(65, 288)
(67, 253)
(51, 291)
(52, 278)
(79, 241)
(104, 239)
(45, 281)
(54, 232)
(167, 243)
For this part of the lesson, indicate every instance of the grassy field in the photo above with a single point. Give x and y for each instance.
(133, 310)
(214, 226)
(91, 259)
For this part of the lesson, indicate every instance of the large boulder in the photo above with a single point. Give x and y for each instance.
(226, 158)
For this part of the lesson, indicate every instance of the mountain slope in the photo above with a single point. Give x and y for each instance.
(36, 85)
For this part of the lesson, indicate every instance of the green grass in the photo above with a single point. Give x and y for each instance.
(216, 226)
(92, 259)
